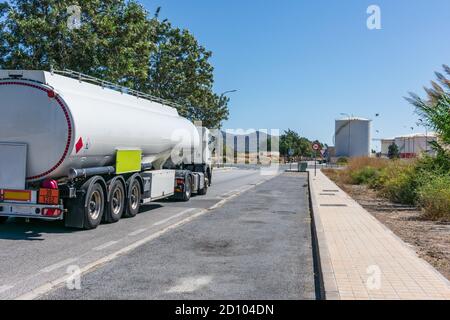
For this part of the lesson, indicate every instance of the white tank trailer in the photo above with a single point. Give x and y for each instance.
(352, 137)
(84, 150)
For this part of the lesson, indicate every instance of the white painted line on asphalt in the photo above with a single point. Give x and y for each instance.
(5, 288)
(229, 193)
(246, 188)
(105, 245)
(135, 233)
(51, 285)
(174, 216)
(190, 284)
(58, 265)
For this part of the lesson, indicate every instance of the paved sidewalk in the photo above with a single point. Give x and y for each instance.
(363, 259)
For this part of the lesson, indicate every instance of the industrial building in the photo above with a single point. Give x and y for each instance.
(352, 137)
(410, 146)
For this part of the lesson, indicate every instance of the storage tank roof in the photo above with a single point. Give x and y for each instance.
(417, 135)
(353, 119)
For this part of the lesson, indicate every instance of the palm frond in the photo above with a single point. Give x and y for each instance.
(442, 79)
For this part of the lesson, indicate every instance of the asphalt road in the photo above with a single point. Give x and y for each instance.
(256, 246)
(249, 237)
(32, 255)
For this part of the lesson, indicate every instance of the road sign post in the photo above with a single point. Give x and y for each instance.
(315, 163)
(290, 154)
(316, 147)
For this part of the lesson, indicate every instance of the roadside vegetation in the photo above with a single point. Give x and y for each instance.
(422, 182)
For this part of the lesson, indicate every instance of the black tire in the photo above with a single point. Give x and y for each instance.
(203, 191)
(187, 192)
(95, 206)
(134, 199)
(115, 206)
(3, 219)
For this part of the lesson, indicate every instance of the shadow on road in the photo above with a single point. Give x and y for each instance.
(148, 207)
(19, 229)
(34, 229)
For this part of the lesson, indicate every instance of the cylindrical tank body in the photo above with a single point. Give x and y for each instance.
(352, 137)
(68, 124)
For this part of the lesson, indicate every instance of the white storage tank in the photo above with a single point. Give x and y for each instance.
(352, 137)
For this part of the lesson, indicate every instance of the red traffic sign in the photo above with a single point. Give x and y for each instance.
(316, 146)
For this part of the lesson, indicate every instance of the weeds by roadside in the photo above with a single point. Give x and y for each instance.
(424, 182)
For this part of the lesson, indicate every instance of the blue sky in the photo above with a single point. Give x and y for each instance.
(300, 63)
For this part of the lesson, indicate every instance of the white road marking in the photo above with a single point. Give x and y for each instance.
(105, 245)
(5, 288)
(59, 265)
(229, 193)
(135, 233)
(174, 216)
(190, 284)
(51, 285)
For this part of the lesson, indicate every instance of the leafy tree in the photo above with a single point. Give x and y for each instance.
(111, 43)
(435, 110)
(393, 151)
(180, 71)
(3, 45)
(118, 42)
(291, 140)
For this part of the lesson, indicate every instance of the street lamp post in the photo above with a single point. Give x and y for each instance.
(377, 115)
(229, 91)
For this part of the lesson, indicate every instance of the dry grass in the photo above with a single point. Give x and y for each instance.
(364, 162)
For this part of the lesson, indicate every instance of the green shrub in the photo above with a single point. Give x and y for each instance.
(440, 164)
(342, 161)
(398, 182)
(367, 175)
(434, 197)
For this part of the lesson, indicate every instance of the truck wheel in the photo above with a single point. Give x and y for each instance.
(134, 199)
(95, 205)
(116, 204)
(3, 219)
(203, 191)
(187, 188)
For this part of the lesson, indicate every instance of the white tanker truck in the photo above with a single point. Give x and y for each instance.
(86, 151)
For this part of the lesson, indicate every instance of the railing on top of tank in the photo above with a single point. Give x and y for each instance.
(110, 85)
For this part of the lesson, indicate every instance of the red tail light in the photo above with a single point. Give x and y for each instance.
(50, 184)
(51, 212)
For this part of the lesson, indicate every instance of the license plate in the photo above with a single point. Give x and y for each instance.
(22, 210)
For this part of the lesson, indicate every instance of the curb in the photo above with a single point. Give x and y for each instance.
(328, 289)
